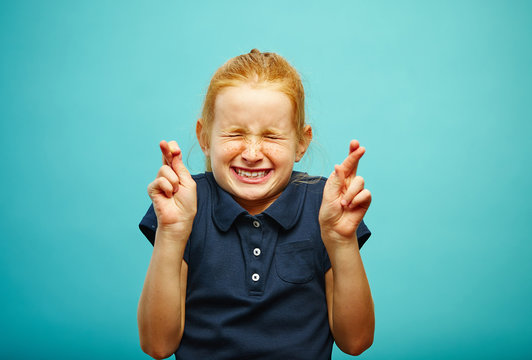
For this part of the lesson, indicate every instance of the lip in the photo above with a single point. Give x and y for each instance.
(248, 180)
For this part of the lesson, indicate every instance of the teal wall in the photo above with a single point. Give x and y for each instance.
(439, 92)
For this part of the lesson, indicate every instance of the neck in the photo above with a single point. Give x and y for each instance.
(257, 206)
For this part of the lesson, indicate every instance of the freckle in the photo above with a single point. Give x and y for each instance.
(230, 148)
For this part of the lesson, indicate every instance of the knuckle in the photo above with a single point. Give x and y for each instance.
(161, 170)
(166, 171)
(153, 187)
(164, 181)
(158, 183)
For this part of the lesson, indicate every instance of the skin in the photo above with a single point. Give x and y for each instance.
(161, 310)
(253, 131)
(350, 305)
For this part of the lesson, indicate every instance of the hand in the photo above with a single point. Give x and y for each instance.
(173, 192)
(345, 200)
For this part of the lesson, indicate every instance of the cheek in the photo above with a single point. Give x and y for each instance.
(279, 153)
(228, 150)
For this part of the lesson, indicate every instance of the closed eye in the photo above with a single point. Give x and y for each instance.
(232, 135)
(273, 136)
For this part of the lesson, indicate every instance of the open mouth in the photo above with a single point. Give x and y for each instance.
(251, 174)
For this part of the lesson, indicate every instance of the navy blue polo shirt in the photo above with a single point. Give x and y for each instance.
(256, 285)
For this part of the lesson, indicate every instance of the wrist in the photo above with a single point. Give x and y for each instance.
(336, 238)
(335, 242)
(342, 254)
(174, 232)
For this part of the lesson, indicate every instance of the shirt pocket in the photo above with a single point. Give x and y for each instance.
(294, 261)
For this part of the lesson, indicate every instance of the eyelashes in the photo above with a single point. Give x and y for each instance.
(274, 137)
(268, 137)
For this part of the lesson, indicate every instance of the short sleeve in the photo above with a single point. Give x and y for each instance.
(363, 235)
(148, 226)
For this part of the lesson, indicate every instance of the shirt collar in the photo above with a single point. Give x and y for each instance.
(286, 210)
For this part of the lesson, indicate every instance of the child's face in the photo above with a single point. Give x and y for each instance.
(253, 144)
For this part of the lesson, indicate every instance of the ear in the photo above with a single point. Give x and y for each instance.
(303, 144)
(201, 137)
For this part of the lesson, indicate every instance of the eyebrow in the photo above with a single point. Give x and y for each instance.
(239, 129)
(236, 129)
(272, 132)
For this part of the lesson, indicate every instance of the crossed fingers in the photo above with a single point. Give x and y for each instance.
(169, 151)
(354, 193)
(348, 168)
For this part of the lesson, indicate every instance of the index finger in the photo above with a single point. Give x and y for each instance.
(169, 151)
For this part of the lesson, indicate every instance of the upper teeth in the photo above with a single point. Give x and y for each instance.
(253, 174)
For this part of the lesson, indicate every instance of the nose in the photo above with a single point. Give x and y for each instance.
(252, 152)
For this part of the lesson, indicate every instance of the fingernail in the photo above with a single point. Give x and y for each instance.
(343, 202)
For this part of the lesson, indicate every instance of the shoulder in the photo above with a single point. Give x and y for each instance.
(204, 181)
(201, 178)
(313, 185)
(204, 189)
(304, 178)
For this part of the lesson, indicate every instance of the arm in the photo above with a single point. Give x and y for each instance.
(349, 301)
(351, 314)
(161, 310)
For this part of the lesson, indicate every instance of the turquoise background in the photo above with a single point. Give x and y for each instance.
(439, 92)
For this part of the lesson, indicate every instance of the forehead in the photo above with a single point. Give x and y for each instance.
(249, 106)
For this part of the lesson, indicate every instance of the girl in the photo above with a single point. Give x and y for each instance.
(252, 260)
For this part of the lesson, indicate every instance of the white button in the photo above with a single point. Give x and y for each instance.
(256, 251)
(255, 277)
(256, 223)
